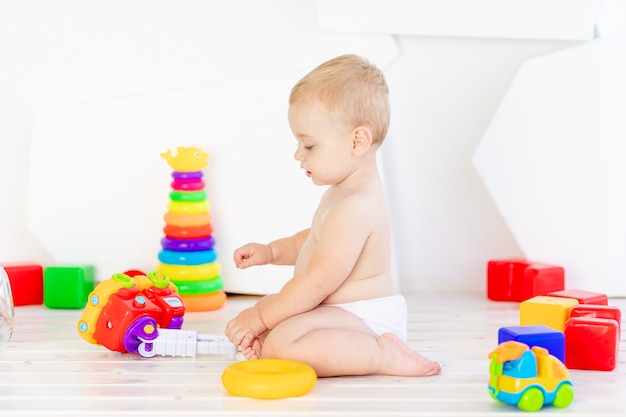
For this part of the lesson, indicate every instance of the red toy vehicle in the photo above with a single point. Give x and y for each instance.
(123, 313)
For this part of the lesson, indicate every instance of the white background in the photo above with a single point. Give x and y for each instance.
(91, 92)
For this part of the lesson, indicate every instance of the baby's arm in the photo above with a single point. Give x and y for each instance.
(243, 329)
(279, 252)
(338, 242)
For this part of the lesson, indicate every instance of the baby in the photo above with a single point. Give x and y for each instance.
(340, 313)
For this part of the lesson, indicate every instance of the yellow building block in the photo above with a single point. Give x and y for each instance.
(549, 311)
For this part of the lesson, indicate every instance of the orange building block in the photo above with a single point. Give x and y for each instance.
(549, 311)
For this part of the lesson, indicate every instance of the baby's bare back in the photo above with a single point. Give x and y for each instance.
(351, 229)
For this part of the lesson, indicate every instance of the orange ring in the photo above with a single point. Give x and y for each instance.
(178, 232)
(206, 302)
(184, 220)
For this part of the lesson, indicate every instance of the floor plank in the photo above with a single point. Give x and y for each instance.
(48, 370)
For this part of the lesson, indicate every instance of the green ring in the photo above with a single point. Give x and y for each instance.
(187, 196)
(124, 280)
(159, 279)
(200, 287)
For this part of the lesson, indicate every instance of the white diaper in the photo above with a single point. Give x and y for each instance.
(382, 315)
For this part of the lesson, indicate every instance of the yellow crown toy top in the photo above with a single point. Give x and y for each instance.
(188, 159)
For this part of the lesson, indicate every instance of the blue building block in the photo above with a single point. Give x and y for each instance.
(536, 335)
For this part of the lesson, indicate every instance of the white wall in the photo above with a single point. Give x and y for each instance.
(113, 84)
(444, 93)
(16, 243)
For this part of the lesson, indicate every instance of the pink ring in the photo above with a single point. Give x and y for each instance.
(188, 185)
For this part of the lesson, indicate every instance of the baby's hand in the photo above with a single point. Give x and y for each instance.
(252, 254)
(245, 328)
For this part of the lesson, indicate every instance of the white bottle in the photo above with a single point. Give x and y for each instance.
(7, 313)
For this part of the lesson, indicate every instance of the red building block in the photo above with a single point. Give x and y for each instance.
(583, 297)
(591, 343)
(26, 283)
(598, 312)
(519, 280)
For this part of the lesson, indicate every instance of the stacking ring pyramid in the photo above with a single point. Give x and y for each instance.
(188, 257)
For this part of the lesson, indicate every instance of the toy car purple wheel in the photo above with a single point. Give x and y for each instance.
(139, 335)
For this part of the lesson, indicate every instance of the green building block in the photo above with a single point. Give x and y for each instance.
(67, 286)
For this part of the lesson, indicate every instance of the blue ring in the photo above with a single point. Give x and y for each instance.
(188, 257)
(184, 175)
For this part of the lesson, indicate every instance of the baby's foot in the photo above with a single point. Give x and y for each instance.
(398, 359)
(254, 350)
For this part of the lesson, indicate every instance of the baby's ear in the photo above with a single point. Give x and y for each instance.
(361, 140)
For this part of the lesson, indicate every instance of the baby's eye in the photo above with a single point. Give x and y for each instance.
(308, 147)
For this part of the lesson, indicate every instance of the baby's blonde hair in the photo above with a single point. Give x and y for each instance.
(352, 88)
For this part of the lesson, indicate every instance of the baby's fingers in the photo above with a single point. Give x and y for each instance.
(246, 341)
(233, 333)
(241, 257)
(239, 336)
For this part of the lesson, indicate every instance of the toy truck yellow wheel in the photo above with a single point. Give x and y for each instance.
(531, 400)
(564, 396)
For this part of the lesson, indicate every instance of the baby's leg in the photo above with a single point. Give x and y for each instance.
(336, 342)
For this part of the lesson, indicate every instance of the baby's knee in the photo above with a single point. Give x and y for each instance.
(272, 348)
(278, 345)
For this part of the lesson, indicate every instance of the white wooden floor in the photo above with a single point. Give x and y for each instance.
(48, 370)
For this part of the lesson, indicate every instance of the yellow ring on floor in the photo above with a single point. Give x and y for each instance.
(190, 272)
(269, 379)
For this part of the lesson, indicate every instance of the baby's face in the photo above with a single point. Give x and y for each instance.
(324, 143)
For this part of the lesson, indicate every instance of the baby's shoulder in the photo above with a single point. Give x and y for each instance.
(357, 203)
(346, 198)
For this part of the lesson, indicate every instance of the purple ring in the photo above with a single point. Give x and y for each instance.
(186, 175)
(183, 245)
